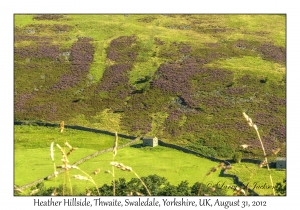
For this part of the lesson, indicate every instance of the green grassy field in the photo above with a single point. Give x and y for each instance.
(32, 161)
(257, 178)
(32, 149)
(31, 137)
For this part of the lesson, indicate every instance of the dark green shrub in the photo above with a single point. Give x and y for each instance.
(237, 157)
(280, 188)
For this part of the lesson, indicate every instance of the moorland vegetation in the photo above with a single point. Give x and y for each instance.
(183, 78)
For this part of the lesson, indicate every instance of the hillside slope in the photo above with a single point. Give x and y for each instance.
(183, 78)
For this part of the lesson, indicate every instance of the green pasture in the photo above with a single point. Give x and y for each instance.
(258, 178)
(32, 149)
(174, 165)
(32, 161)
(31, 137)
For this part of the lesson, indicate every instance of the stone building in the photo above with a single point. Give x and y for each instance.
(281, 163)
(150, 141)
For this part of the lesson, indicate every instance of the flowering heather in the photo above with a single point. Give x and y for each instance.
(43, 50)
(277, 101)
(47, 111)
(115, 78)
(26, 37)
(236, 90)
(122, 49)
(274, 53)
(136, 121)
(48, 17)
(21, 100)
(158, 41)
(279, 133)
(82, 53)
(183, 87)
(188, 78)
(185, 49)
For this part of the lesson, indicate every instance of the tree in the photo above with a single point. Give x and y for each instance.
(280, 188)
(237, 157)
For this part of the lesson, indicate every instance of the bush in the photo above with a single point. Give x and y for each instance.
(158, 186)
(280, 188)
(237, 157)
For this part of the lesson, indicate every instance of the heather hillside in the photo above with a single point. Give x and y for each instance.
(183, 78)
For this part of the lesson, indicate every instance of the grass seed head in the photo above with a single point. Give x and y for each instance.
(221, 165)
(245, 116)
(52, 151)
(97, 171)
(54, 193)
(275, 152)
(79, 177)
(239, 191)
(59, 147)
(113, 163)
(34, 191)
(62, 126)
(64, 160)
(120, 165)
(66, 166)
(212, 189)
(68, 145)
(139, 194)
(72, 150)
(88, 192)
(115, 144)
(107, 171)
(263, 163)
(249, 120)
(213, 169)
(16, 189)
(227, 167)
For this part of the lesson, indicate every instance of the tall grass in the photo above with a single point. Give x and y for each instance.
(265, 162)
(122, 167)
(85, 177)
(113, 159)
(66, 167)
